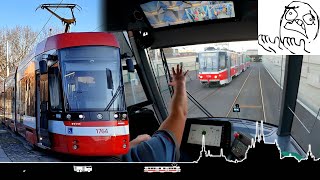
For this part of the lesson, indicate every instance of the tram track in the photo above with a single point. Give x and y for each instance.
(205, 97)
(246, 90)
(235, 99)
(260, 106)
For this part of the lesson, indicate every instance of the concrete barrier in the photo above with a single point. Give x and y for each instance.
(314, 79)
(309, 87)
(310, 67)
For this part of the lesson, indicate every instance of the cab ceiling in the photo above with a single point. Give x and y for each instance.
(120, 18)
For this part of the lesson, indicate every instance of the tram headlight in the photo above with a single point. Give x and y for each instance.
(99, 116)
(124, 146)
(69, 116)
(124, 116)
(215, 76)
(115, 116)
(75, 146)
(81, 116)
(201, 77)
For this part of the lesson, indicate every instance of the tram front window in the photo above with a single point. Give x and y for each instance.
(87, 78)
(208, 62)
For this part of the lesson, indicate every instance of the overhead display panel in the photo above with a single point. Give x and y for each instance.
(169, 13)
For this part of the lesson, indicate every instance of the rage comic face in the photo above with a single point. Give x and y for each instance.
(299, 20)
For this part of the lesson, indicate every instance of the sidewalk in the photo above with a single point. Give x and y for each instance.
(3, 155)
(308, 95)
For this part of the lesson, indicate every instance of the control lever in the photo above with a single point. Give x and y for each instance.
(240, 145)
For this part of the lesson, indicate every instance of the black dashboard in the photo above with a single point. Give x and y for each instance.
(230, 137)
(215, 135)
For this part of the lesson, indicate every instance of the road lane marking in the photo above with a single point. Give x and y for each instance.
(249, 106)
(239, 93)
(264, 112)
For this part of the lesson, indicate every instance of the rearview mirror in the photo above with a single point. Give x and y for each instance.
(43, 66)
(130, 65)
(109, 79)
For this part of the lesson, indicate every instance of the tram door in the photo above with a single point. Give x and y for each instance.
(228, 57)
(42, 108)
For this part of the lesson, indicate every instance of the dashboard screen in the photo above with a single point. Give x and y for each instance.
(167, 13)
(212, 134)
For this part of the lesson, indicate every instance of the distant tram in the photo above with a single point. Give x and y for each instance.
(220, 66)
(67, 96)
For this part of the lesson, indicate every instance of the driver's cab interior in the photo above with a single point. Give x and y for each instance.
(143, 26)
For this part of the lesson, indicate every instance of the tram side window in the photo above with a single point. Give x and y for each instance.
(44, 93)
(222, 62)
(27, 87)
(32, 99)
(12, 100)
(22, 96)
(233, 59)
(8, 102)
(54, 88)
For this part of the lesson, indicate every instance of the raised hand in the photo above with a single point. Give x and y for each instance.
(179, 77)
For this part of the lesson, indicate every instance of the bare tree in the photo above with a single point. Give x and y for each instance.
(20, 44)
(50, 31)
(21, 41)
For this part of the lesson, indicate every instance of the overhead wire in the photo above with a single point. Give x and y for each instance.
(34, 40)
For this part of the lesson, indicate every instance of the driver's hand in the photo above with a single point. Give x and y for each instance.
(178, 76)
(139, 139)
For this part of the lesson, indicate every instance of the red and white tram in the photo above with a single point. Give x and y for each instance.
(217, 66)
(67, 96)
(221, 66)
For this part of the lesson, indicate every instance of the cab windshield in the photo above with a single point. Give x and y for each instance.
(91, 76)
(220, 82)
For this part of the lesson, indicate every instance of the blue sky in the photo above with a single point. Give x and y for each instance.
(22, 12)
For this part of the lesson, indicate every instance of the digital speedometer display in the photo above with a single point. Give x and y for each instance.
(212, 134)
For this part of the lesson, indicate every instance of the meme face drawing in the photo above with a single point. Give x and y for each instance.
(299, 27)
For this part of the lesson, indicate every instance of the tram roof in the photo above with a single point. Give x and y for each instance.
(73, 39)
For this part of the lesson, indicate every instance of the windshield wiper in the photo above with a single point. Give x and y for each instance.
(115, 96)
